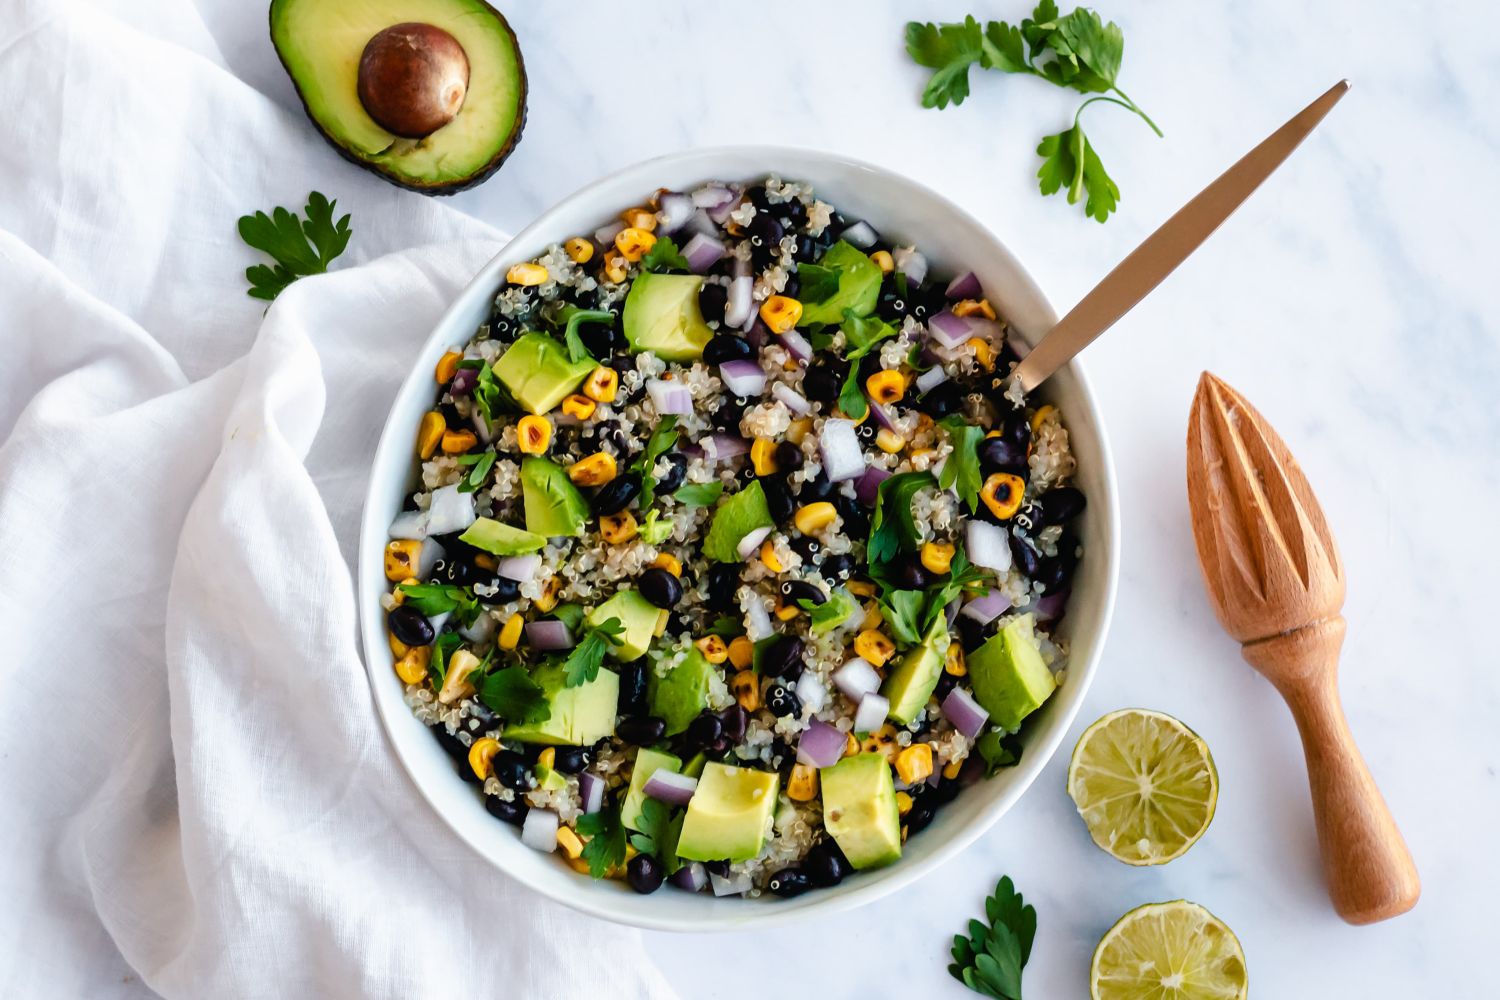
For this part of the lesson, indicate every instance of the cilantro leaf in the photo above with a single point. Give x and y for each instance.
(998, 750)
(818, 284)
(949, 50)
(299, 247)
(893, 527)
(658, 834)
(574, 317)
(585, 659)
(961, 471)
(852, 401)
(831, 613)
(989, 959)
(658, 444)
(511, 694)
(663, 256)
(700, 494)
(606, 846)
(479, 467)
(655, 530)
(863, 333)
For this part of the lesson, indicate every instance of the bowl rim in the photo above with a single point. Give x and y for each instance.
(374, 535)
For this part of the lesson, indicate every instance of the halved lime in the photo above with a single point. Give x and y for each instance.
(1145, 784)
(1169, 951)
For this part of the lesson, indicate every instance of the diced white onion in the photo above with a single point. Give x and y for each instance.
(811, 691)
(539, 831)
(842, 457)
(871, 714)
(857, 678)
(751, 542)
(450, 511)
(987, 545)
(410, 525)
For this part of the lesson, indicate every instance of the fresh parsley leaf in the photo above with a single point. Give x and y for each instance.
(962, 576)
(902, 610)
(658, 834)
(819, 339)
(893, 528)
(479, 467)
(663, 256)
(831, 613)
(863, 333)
(299, 247)
(700, 494)
(999, 750)
(573, 318)
(655, 530)
(961, 471)
(511, 694)
(989, 959)
(817, 284)
(727, 628)
(585, 659)
(1068, 158)
(606, 845)
(658, 444)
(438, 598)
(852, 401)
(949, 50)
(488, 393)
(442, 648)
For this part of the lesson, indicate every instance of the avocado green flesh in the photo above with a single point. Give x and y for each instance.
(1009, 676)
(915, 678)
(320, 43)
(859, 286)
(647, 763)
(580, 715)
(554, 507)
(729, 813)
(735, 518)
(538, 373)
(682, 695)
(860, 812)
(637, 615)
(550, 780)
(500, 539)
(662, 316)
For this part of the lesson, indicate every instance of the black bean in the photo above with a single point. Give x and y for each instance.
(795, 591)
(757, 195)
(856, 517)
(727, 417)
(789, 882)
(712, 299)
(455, 748)
(513, 812)
(783, 658)
(866, 432)
(823, 379)
(789, 457)
(815, 489)
(572, 760)
(671, 480)
(704, 731)
(410, 625)
(972, 634)
(1000, 454)
(718, 749)
(724, 347)
(806, 546)
(908, 571)
(500, 589)
(825, 864)
(723, 587)
(764, 234)
(945, 684)
(601, 339)
(921, 814)
(453, 571)
(735, 720)
(783, 701)
(779, 499)
(1058, 505)
(837, 568)
(617, 494)
(944, 791)
(504, 328)
(1026, 557)
(641, 730)
(793, 213)
(511, 770)
(633, 687)
(1016, 428)
(941, 400)
(791, 287)
(659, 587)
(644, 874)
(808, 248)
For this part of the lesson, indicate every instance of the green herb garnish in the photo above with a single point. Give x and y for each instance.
(862, 333)
(961, 471)
(437, 665)
(574, 317)
(658, 834)
(817, 284)
(511, 694)
(902, 610)
(831, 613)
(990, 959)
(585, 659)
(727, 628)
(299, 247)
(894, 527)
(852, 401)
(655, 529)
(999, 750)
(479, 467)
(664, 256)
(700, 494)
(606, 846)
(440, 598)
(658, 444)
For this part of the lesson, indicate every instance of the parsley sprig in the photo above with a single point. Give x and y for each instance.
(572, 318)
(479, 467)
(894, 527)
(1078, 52)
(990, 958)
(298, 246)
(961, 471)
(585, 659)
(606, 846)
(658, 834)
(664, 256)
(511, 694)
(439, 598)
(658, 444)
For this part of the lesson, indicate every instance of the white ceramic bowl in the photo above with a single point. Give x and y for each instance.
(954, 242)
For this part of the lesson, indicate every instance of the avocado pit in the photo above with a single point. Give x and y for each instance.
(413, 79)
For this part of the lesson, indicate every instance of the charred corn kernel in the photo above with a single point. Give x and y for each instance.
(917, 454)
(1002, 493)
(447, 367)
(602, 384)
(884, 261)
(533, 434)
(768, 557)
(873, 619)
(547, 758)
(579, 250)
(430, 433)
(398, 595)
(713, 649)
(886, 386)
(953, 660)
(510, 632)
(526, 274)
(780, 313)
(569, 842)
(618, 528)
(802, 786)
(874, 647)
(481, 754)
(974, 307)
(814, 517)
(797, 429)
(937, 556)
(579, 405)
(456, 683)
(951, 769)
(883, 742)
(889, 441)
(668, 562)
(486, 561)
(412, 666)
(401, 558)
(851, 745)
(634, 243)
(1040, 416)
(904, 802)
(763, 456)
(614, 266)
(746, 688)
(741, 652)
(983, 352)
(458, 442)
(661, 623)
(594, 470)
(579, 865)
(993, 434)
(547, 599)
(639, 218)
(914, 764)
(860, 588)
(785, 611)
(398, 648)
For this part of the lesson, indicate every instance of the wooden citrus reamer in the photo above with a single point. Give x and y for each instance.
(1277, 584)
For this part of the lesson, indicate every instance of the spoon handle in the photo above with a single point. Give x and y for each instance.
(1368, 868)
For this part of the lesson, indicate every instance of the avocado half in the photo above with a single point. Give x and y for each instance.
(444, 78)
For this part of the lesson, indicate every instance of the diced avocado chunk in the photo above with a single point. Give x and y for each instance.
(682, 695)
(538, 372)
(859, 810)
(554, 507)
(1009, 677)
(912, 682)
(735, 518)
(638, 617)
(662, 316)
(501, 539)
(647, 763)
(580, 715)
(729, 814)
(550, 779)
(859, 286)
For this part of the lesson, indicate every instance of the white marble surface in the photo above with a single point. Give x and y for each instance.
(1351, 300)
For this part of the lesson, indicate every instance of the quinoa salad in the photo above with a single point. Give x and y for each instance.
(734, 552)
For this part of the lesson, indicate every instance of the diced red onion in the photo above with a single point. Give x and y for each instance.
(735, 885)
(931, 378)
(987, 545)
(430, 554)
(700, 223)
(548, 635)
(691, 449)
(743, 377)
(751, 542)
(723, 446)
(539, 831)
(712, 196)
(965, 286)
(757, 619)
(797, 346)
(720, 213)
(880, 416)
(410, 525)
(950, 613)
(949, 330)
(871, 714)
(857, 678)
(464, 381)
(791, 398)
(702, 252)
(519, 568)
(758, 334)
(868, 486)
(691, 877)
(670, 397)
(820, 744)
(1050, 606)
(605, 235)
(839, 445)
(450, 511)
(591, 791)
(673, 211)
(481, 426)
(964, 712)
(811, 691)
(741, 304)
(671, 787)
(987, 608)
(910, 263)
(861, 234)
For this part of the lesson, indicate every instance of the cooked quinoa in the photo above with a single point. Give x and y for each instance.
(838, 601)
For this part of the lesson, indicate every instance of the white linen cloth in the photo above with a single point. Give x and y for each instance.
(197, 797)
